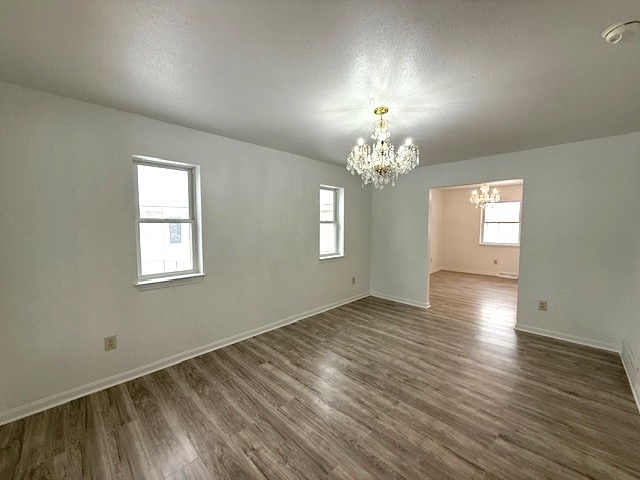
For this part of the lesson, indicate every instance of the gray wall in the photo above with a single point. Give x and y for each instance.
(68, 253)
(579, 235)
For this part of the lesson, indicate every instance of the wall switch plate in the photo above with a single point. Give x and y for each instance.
(542, 305)
(495, 262)
(353, 280)
(110, 343)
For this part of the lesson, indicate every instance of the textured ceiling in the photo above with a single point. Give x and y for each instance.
(462, 78)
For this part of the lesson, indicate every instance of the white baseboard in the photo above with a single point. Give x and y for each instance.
(406, 301)
(511, 275)
(474, 272)
(83, 390)
(611, 347)
(632, 369)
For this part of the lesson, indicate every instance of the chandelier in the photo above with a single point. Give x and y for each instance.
(484, 198)
(380, 164)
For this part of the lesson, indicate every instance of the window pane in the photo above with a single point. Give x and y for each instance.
(165, 247)
(328, 238)
(327, 206)
(509, 232)
(506, 233)
(490, 233)
(175, 233)
(502, 212)
(163, 192)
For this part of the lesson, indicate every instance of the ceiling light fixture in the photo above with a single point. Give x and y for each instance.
(616, 32)
(381, 164)
(484, 198)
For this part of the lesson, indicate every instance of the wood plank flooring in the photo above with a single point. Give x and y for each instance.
(373, 389)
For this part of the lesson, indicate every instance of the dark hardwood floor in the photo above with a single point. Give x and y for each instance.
(373, 389)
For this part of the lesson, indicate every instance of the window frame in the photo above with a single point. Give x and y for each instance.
(338, 221)
(195, 220)
(519, 222)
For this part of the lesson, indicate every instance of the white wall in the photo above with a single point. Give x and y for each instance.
(68, 255)
(459, 240)
(579, 232)
(67, 252)
(436, 230)
(631, 339)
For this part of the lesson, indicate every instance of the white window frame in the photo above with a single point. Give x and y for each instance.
(519, 222)
(195, 220)
(338, 220)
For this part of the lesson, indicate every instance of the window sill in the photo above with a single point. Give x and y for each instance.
(331, 257)
(499, 244)
(170, 281)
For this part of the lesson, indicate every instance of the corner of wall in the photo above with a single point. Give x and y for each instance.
(566, 337)
(632, 369)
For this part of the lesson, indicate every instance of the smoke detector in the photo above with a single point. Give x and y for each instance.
(618, 31)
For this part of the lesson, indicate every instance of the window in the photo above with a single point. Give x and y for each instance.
(501, 224)
(167, 220)
(331, 222)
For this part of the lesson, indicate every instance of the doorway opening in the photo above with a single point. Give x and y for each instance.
(474, 253)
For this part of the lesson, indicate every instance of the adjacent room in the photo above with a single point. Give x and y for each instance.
(319, 240)
(474, 236)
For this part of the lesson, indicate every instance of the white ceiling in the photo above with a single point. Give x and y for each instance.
(462, 78)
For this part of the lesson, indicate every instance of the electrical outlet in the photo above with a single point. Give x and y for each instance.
(542, 305)
(353, 280)
(495, 262)
(110, 343)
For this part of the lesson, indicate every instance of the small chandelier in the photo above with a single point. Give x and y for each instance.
(381, 164)
(484, 198)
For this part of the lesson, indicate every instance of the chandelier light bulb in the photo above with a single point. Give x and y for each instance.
(379, 163)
